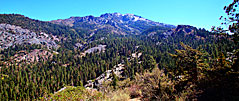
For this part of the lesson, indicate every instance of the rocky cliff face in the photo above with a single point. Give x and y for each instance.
(186, 29)
(106, 77)
(11, 35)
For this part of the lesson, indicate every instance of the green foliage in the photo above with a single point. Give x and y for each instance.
(76, 93)
(224, 73)
(232, 19)
(114, 80)
(197, 65)
(190, 63)
(68, 68)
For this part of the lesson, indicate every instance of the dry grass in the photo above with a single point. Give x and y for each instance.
(119, 95)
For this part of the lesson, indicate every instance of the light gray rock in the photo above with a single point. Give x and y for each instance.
(11, 35)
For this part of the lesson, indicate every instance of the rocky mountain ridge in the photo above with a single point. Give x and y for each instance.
(117, 23)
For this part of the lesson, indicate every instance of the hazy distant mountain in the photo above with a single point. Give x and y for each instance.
(113, 22)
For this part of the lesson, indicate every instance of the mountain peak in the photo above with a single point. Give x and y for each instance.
(129, 16)
(119, 23)
(179, 27)
(186, 29)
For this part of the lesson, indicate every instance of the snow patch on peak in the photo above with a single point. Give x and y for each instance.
(136, 18)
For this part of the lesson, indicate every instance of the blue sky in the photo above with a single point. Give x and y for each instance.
(198, 13)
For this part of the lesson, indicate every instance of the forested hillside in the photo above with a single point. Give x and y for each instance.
(160, 62)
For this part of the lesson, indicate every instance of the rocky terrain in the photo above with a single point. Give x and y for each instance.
(186, 29)
(11, 35)
(114, 22)
(35, 55)
(120, 46)
(99, 48)
(107, 76)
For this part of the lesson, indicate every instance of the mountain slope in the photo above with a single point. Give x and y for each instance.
(12, 35)
(32, 71)
(116, 23)
(36, 25)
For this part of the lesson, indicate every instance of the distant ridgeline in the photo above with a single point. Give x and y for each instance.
(35, 25)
